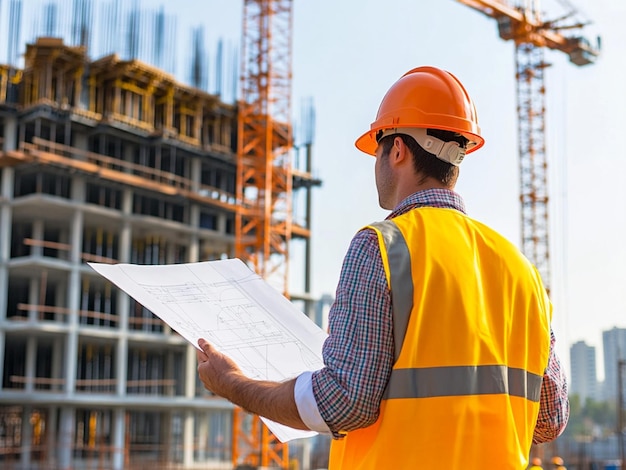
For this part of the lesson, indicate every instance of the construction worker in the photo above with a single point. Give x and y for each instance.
(557, 463)
(440, 351)
(536, 464)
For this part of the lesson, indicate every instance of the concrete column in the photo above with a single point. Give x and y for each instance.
(6, 216)
(78, 190)
(125, 246)
(306, 454)
(31, 356)
(38, 231)
(189, 417)
(190, 371)
(170, 252)
(80, 141)
(6, 222)
(76, 235)
(193, 254)
(194, 216)
(121, 349)
(121, 360)
(10, 133)
(71, 350)
(128, 152)
(188, 439)
(66, 438)
(203, 436)
(34, 288)
(7, 186)
(126, 238)
(73, 303)
(27, 437)
(119, 439)
(121, 353)
(196, 173)
(166, 437)
(6, 194)
(221, 224)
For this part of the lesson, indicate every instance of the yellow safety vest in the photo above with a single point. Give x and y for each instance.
(472, 337)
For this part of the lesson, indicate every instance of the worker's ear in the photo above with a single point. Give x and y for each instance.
(399, 153)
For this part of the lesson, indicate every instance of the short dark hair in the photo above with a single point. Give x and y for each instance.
(425, 162)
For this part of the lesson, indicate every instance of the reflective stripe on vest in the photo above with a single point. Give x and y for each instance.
(463, 380)
(400, 279)
(439, 381)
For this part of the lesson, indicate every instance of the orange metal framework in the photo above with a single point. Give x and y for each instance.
(263, 222)
(255, 445)
(531, 35)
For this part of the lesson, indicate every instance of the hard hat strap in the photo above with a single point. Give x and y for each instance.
(450, 152)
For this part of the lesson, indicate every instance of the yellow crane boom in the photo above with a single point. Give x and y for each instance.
(524, 25)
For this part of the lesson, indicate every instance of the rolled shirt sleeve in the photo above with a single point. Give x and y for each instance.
(307, 406)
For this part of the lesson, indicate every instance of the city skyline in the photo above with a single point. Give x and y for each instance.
(590, 378)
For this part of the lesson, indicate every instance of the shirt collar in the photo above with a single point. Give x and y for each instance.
(444, 198)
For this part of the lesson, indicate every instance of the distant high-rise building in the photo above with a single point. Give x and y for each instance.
(584, 382)
(614, 347)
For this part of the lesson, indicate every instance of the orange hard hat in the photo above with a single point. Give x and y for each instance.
(557, 460)
(536, 461)
(427, 98)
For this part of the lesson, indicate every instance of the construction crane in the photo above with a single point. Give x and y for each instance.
(531, 34)
(263, 222)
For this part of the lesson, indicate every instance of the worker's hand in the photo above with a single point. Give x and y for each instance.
(216, 371)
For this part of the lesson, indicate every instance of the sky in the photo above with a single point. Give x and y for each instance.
(346, 54)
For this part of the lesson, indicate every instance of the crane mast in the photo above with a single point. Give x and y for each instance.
(263, 219)
(533, 164)
(523, 24)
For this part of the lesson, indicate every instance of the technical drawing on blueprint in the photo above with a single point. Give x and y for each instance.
(232, 307)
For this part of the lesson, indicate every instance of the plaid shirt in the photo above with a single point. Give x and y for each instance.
(359, 352)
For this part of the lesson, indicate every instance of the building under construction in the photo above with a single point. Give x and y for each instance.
(110, 161)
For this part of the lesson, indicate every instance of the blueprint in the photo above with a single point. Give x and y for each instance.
(235, 310)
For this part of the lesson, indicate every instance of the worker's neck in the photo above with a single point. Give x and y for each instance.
(420, 184)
